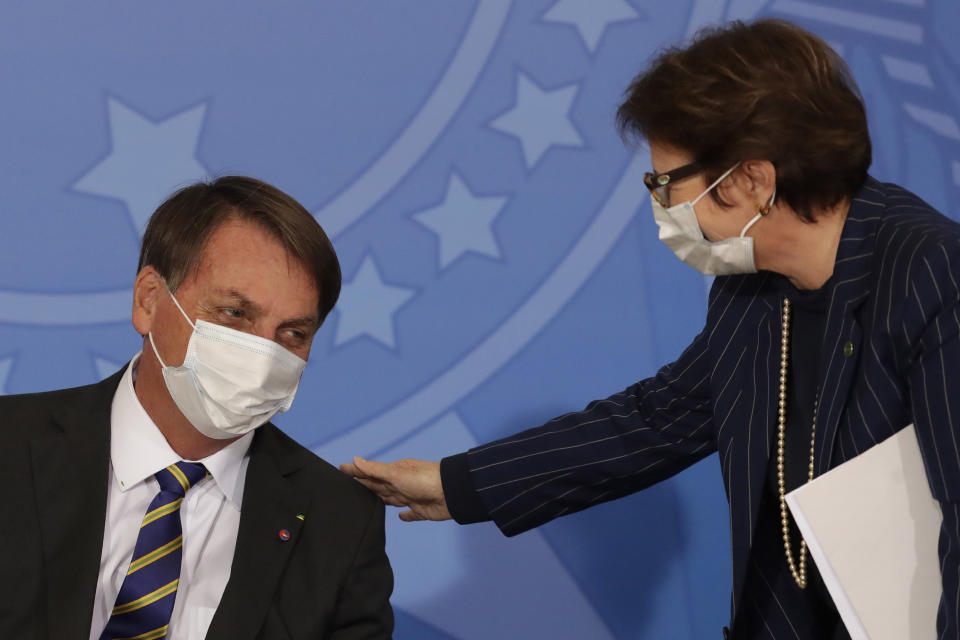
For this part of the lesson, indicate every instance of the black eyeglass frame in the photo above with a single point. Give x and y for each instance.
(656, 181)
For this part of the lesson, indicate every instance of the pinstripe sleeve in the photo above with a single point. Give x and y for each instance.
(932, 301)
(615, 446)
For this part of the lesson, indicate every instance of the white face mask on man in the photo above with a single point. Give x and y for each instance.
(680, 231)
(230, 382)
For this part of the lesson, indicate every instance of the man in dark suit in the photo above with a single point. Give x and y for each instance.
(161, 502)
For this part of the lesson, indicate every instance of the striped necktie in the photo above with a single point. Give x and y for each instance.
(145, 601)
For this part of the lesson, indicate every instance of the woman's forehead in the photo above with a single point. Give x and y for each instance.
(664, 157)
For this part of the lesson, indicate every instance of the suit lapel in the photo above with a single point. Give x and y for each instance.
(752, 456)
(271, 504)
(842, 340)
(763, 415)
(71, 471)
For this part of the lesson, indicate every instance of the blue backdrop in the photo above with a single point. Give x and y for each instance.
(500, 260)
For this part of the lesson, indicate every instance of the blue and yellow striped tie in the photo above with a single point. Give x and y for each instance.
(145, 601)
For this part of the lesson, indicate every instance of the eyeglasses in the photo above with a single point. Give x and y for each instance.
(659, 183)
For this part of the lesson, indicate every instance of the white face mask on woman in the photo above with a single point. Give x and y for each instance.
(680, 231)
(230, 382)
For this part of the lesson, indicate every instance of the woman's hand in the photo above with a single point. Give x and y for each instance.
(410, 483)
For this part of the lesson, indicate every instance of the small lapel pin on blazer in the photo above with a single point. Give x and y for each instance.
(284, 535)
(299, 516)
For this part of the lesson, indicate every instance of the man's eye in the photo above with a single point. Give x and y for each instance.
(232, 313)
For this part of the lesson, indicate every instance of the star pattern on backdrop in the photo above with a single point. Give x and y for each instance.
(590, 17)
(367, 306)
(5, 365)
(148, 160)
(540, 119)
(463, 222)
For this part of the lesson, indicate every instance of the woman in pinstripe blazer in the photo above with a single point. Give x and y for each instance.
(832, 324)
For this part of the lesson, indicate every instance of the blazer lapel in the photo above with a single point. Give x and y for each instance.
(270, 506)
(71, 471)
(752, 456)
(761, 431)
(842, 340)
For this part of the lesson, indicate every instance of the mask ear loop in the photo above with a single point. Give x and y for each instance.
(761, 212)
(186, 317)
(715, 183)
(176, 302)
(155, 352)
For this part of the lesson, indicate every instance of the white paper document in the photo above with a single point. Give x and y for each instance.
(872, 527)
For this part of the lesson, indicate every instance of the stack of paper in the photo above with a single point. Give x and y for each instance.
(872, 527)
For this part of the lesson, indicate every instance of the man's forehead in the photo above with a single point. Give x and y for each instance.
(246, 263)
(245, 241)
(236, 235)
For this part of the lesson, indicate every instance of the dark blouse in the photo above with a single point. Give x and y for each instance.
(812, 612)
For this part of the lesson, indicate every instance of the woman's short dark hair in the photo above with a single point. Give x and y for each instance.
(766, 90)
(179, 228)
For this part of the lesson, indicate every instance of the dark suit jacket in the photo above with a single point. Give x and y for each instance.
(332, 578)
(890, 356)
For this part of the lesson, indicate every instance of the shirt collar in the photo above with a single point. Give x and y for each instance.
(138, 449)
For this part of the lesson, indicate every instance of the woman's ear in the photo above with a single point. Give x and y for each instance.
(759, 181)
(147, 291)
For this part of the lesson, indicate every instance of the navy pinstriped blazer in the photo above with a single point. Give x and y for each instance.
(893, 298)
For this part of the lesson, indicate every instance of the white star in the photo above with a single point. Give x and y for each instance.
(367, 306)
(5, 365)
(540, 119)
(149, 160)
(590, 17)
(463, 223)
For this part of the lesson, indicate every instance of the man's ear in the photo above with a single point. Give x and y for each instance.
(148, 290)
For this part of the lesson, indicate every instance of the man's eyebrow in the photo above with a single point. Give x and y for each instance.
(247, 304)
(240, 299)
(303, 321)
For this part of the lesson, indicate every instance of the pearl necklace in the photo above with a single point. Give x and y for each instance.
(799, 573)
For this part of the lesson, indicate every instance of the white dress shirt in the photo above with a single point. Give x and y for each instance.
(210, 514)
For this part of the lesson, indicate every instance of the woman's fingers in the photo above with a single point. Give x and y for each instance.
(411, 483)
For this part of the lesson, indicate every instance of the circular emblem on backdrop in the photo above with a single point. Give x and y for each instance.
(905, 71)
